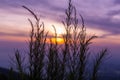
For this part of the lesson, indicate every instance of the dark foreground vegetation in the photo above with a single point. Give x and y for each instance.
(71, 60)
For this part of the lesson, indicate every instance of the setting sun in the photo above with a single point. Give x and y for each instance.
(58, 40)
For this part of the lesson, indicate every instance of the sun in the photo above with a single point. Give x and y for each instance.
(59, 31)
(58, 40)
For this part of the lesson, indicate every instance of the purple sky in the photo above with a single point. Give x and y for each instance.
(102, 17)
(101, 14)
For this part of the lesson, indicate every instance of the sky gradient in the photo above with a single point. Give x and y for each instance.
(102, 18)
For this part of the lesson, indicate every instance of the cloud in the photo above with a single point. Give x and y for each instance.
(20, 34)
(114, 12)
(15, 3)
(116, 1)
(104, 24)
(41, 7)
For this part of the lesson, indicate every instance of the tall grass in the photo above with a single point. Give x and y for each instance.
(52, 61)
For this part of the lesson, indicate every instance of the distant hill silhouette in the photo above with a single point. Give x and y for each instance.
(5, 74)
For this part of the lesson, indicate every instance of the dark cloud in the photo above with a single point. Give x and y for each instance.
(57, 9)
(113, 12)
(104, 24)
(9, 5)
(44, 7)
(116, 1)
(14, 3)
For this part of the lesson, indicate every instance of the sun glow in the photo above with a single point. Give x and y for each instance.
(59, 28)
(59, 31)
(58, 40)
